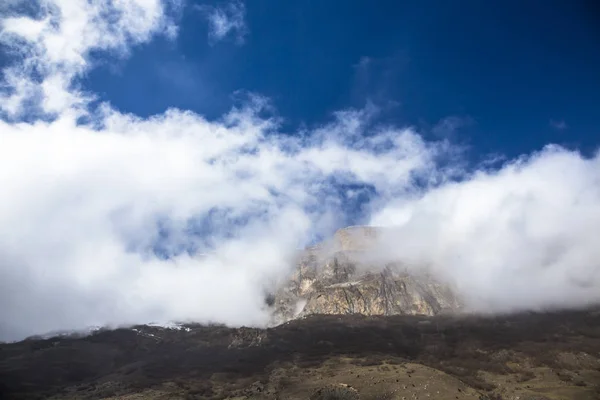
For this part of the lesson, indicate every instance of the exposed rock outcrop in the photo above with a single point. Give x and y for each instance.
(343, 276)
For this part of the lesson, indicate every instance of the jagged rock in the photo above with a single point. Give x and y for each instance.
(343, 276)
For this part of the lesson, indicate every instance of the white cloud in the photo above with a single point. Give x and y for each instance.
(226, 20)
(57, 45)
(86, 205)
(519, 237)
(83, 210)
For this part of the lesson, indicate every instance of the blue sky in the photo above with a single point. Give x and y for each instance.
(512, 76)
(165, 159)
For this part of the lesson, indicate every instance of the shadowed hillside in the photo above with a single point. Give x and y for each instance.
(526, 356)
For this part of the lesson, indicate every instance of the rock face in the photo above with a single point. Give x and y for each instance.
(343, 276)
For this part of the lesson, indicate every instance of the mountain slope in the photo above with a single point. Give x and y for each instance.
(526, 356)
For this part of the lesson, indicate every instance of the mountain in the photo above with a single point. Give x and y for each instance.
(344, 276)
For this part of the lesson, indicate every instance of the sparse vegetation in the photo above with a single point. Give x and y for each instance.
(202, 363)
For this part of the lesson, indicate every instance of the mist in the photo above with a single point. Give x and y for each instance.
(111, 219)
(519, 237)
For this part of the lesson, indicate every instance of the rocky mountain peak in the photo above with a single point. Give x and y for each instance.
(343, 276)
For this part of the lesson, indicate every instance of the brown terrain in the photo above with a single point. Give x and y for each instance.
(342, 328)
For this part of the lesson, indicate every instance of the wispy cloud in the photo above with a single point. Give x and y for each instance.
(104, 223)
(57, 44)
(449, 126)
(373, 77)
(559, 125)
(227, 20)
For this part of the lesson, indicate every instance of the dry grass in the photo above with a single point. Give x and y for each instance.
(112, 363)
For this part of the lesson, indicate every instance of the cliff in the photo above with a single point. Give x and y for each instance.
(344, 276)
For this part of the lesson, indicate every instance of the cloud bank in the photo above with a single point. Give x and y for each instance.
(521, 237)
(109, 218)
